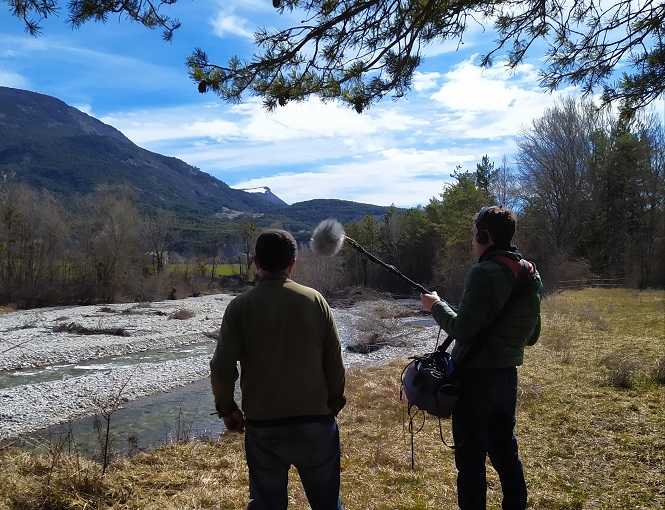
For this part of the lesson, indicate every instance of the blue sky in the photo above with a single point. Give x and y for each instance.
(398, 152)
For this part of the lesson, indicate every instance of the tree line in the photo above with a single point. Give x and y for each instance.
(100, 247)
(588, 188)
(589, 191)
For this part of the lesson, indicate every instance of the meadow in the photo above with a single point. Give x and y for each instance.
(206, 269)
(590, 423)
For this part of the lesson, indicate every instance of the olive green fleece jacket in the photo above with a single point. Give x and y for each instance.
(487, 287)
(286, 340)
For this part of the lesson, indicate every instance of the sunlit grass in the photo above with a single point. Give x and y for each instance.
(593, 440)
(220, 269)
(585, 442)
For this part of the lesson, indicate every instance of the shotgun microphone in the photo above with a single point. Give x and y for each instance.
(328, 238)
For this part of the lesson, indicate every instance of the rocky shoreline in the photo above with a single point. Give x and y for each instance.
(36, 340)
(45, 339)
(32, 407)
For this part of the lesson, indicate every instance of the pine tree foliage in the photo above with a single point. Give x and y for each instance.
(145, 12)
(358, 52)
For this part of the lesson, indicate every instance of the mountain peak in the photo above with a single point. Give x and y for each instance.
(265, 193)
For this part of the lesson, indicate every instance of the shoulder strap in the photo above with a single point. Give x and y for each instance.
(520, 284)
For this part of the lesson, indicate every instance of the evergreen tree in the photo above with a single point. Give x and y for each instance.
(367, 233)
(618, 234)
(451, 217)
(359, 52)
(485, 177)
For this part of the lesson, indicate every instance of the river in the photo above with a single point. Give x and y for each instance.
(51, 365)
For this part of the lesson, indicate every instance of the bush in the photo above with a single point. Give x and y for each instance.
(659, 371)
(182, 314)
(622, 369)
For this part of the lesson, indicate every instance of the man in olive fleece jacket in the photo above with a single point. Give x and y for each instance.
(292, 380)
(484, 419)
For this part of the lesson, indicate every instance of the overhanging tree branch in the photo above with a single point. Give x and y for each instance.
(360, 51)
(356, 52)
(145, 12)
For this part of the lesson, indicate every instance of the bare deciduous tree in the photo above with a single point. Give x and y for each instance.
(553, 154)
(32, 239)
(109, 238)
(158, 231)
(504, 186)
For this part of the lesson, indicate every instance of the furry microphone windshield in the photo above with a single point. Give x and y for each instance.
(328, 238)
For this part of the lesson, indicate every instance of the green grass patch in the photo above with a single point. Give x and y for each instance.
(205, 269)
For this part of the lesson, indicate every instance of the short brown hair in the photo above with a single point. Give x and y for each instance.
(499, 221)
(275, 250)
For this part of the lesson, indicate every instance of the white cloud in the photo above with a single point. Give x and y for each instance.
(13, 80)
(225, 24)
(16, 46)
(148, 126)
(302, 124)
(468, 87)
(493, 102)
(85, 108)
(425, 81)
(406, 178)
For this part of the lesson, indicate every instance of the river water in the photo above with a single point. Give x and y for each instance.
(10, 378)
(188, 411)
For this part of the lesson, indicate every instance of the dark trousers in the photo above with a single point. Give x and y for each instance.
(483, 424)
(313, 448)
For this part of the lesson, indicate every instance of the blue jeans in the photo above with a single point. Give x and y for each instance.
(312, 447)
(483, 424)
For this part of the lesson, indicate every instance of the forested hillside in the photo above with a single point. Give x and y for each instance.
(45, 143)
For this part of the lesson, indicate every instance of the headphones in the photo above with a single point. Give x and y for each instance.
(483, 236)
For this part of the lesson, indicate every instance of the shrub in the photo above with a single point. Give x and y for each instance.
(659, 371)
(622, 369)
(182, 314)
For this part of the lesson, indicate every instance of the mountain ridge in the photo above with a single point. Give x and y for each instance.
(46, 143)
(266, 193)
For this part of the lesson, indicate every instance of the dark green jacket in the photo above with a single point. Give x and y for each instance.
(487, 287)
(286, 340)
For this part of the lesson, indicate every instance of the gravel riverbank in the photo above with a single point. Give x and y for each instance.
(88, 341)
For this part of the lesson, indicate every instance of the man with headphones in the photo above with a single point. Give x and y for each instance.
(484, 419)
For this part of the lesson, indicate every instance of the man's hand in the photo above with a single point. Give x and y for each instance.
(234, 422)
(428, 300)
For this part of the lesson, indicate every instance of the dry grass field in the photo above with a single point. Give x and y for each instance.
(591, 427)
